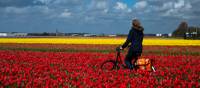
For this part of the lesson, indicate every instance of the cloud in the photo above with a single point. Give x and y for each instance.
(101, 5)
(18, 3)
(180, 8)
(28, 10)
(65, 14)
(58, 2)
(122, 7)
(15, 10)
(141, 4)
(179, 4)
(115, 13)
(98, 5)
(95, 10)
(43, 1)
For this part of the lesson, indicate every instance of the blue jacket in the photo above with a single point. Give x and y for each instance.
(135, 37)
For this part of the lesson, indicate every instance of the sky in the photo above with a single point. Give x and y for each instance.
(96, 16)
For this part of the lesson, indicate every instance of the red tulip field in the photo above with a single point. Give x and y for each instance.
(175, 67)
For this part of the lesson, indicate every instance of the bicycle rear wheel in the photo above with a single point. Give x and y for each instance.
(109, 65)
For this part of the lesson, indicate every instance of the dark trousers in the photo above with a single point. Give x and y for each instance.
(132, 55)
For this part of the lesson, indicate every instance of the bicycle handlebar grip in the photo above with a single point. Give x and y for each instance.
(118, 49)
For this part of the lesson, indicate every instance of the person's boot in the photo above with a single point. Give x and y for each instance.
(124, 66)
(132, 67)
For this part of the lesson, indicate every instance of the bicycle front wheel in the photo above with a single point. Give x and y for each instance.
(153, 68)
(109, 65)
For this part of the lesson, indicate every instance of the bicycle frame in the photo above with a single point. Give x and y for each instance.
(118, 58)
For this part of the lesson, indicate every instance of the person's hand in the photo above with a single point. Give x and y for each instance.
(120, 47)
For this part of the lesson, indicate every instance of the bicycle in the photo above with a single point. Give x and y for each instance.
(141, 63)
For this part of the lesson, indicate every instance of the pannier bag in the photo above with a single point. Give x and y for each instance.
(144, 64)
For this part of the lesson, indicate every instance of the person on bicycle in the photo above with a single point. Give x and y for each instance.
(135, 37)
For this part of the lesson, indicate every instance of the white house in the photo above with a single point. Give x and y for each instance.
(13, 34)
(3, 34)
(89, 35)
(20, 34)
(158, 35)
(112, 35)
(170, 35)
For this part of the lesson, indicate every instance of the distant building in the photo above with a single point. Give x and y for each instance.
(89, 35)
(158, 35)
(74, 34)
(13, 34)
(170, 35)
(192, 33)
(112, 35)
(3, 34)
(19, 34)
(60, 34)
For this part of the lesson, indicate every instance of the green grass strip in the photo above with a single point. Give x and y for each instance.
(56, 50)
(157, 52)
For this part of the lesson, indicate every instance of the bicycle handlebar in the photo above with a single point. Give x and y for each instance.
(118, 49)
